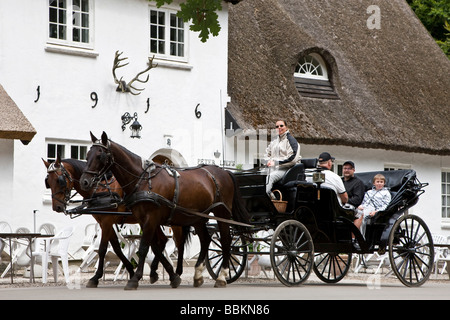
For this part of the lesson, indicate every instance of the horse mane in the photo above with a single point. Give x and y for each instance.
(127, 151)
(77, 165)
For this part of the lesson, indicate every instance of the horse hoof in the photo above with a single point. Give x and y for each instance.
(175, 282)
(131, 285)
(198, 282)
(154, 278)
(92, 283)
(220, 284)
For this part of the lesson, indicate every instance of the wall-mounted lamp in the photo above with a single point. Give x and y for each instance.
(135, 126)
(217, 154)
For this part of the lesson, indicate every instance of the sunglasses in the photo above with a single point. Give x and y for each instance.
(280, 126)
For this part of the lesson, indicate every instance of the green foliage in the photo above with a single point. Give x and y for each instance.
(435, 16)
(202, 13)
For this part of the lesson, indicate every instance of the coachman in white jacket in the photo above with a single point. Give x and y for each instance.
(282, 153)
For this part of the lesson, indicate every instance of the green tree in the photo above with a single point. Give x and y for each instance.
(202, 13)
(435, 16)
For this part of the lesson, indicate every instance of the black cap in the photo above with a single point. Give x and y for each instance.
(349, 163)
(325, 156)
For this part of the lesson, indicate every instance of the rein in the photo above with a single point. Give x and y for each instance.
(139, 196)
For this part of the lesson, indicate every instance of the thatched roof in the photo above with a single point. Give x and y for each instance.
(393, 83)
(14, 124)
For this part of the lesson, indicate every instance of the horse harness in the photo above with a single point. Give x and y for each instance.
(149, 169)
(63, 176)
(144, 195)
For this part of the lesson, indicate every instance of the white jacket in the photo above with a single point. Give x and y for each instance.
(284, 150)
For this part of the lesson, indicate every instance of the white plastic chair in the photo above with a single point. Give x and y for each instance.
(56, 248)
(47, 228)
(20, 254)
(440, 253)
(91, 243)
(4, 244)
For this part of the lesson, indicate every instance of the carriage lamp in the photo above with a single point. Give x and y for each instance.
(135, 126)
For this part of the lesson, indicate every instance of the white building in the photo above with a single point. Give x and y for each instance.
(365, 82)
(56, 59)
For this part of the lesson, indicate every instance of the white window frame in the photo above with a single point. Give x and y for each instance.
(445, 195)
(308, 65)
(168, 11)
(71, 25)
(67, 144)
(396, 166)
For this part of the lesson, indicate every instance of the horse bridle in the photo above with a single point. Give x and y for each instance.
(108, 162)
(63, 176)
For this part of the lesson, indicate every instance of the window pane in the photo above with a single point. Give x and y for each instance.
(85, 20)
(51, 151)
(53, 31)
(161, 18)
(85, 35)
(62, 32)
(76, 35)
(53, 16)
(60, 149)
(161, 47)
(153, 32)
(74, 152)
(83, 152)
(76, 19)
(85, 5)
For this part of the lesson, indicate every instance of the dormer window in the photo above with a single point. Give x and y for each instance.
(311, 77)
(311, 66)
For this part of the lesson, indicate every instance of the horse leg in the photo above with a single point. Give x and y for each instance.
(205, 240)
(225, 241)
(93, 282)
(162, 240)
(118, 251)
(175, 279)
(133, 283)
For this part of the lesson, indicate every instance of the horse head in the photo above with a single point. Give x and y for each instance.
(99, 160)
(60, 182)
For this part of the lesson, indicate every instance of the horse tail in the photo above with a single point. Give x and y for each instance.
(239, 212)
(187, 236)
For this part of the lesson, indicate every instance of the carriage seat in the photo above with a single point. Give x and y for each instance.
(296, 173)
(394, 179)
(294, 176)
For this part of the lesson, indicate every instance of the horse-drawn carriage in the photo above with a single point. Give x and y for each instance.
(315, 232)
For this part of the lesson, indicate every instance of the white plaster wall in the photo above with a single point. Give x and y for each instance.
(66, 81)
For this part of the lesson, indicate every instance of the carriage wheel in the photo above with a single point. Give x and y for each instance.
(238, 258)
(332, 267)
(291, 253)
(411, 250)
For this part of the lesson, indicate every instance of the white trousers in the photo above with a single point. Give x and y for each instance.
(273, 176)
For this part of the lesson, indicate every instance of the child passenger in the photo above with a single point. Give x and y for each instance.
(376, 199)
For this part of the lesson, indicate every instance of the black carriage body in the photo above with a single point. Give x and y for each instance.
(330, 225)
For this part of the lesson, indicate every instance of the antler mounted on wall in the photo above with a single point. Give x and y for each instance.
(128, 87)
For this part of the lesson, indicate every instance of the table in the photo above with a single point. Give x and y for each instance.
(30, 237)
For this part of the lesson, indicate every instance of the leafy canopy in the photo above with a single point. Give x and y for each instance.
(435, 16)
(202, 13)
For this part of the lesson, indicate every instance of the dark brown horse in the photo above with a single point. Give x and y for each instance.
(64, 175)
(158, 196)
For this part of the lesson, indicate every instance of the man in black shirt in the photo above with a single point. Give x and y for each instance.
(354, 186)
